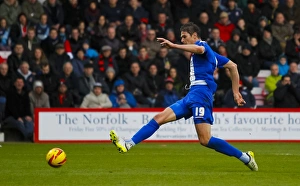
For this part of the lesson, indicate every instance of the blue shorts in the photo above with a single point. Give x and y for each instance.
(197, 103)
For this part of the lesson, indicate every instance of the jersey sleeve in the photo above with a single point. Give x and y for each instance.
(221, 60)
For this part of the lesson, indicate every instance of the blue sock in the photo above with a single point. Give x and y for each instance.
(223, 147)
(145, 132)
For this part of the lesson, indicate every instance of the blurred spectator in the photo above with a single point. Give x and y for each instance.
(132, 47)
(234, 45)
(5, 41)
(38, 98)
(104, 61)
(123, 60)
(162, 26)
(205, 25)
(269, 48)
(271, 84)
(89, 52)
(30, 42)
(62, 33)
(242, 27)
(83, 32)
(281, 30)
(19, 28)
(16, 57)
(214, 41)
(291, 11)
(263, 23)
(174, 53)
(183, 19)
(36, 62)
(294, 75)
(292, 49)
(17, 110)
(214, 10)
(192, 8)
(73, 43)
(161, 6)
(62, 98)
(135, 82)
(91, 14)
(110, 78)
(286, 95)
(143, 32)
(58, 59)
(24, 72)
(49, 79)
(74, 13)
(225, 27)
(78, 63)
(248, 65)
(111, 40)
(113, 12)
(96, 99)
(55, 13)
(254, 45)
(86, 82)
(251, 15)
(154, 82)
(99, 31)
(234, 11)
(137, 11)
(222, 50)
(143, 59)
(283, 65)
(48, 45)
(70, 79)
(245, 92)
(9, 10)
(178, 83)
(128, 30)
(6, 79)
(270, 9)
(151, 44)
(33, 10)
(120, 97)
(42, 28)
(163, 62)
(168, 95)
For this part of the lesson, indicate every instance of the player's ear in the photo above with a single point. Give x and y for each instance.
(194, 35)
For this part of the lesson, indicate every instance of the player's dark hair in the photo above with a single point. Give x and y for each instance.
(190, 28)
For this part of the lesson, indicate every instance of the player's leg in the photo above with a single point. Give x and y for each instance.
(205, 138)
(145, 132)
(174, 112)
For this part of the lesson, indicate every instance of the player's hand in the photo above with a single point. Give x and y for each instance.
(239, 99)
(165, 43)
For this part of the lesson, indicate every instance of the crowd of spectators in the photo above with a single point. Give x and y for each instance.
(104, 53)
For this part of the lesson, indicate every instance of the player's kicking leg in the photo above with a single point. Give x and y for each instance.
(145, 132)
(205, 138)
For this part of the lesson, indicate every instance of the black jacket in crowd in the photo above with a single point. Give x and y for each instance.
(286, 97)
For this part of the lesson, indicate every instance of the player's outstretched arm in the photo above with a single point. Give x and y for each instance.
(189, 48)
(235, 78)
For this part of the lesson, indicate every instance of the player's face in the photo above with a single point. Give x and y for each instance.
(187, 38)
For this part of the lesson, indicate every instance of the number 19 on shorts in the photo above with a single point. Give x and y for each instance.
(199, 111)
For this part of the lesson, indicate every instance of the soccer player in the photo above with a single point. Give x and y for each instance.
(199, 101)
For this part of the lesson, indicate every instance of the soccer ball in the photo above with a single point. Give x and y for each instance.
(56, 157)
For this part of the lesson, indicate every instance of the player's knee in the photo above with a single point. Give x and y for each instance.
(159, 118)
(204, 141)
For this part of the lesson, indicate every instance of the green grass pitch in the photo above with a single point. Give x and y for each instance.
(157, 164)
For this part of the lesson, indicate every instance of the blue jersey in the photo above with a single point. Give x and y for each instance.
(199, 101)
(202, 66)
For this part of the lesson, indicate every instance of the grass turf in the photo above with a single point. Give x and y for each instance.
(186, 164)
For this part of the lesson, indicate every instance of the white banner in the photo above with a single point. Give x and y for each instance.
(95, 126)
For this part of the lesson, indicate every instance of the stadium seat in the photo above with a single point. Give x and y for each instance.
(261, 77)
(259, 97)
